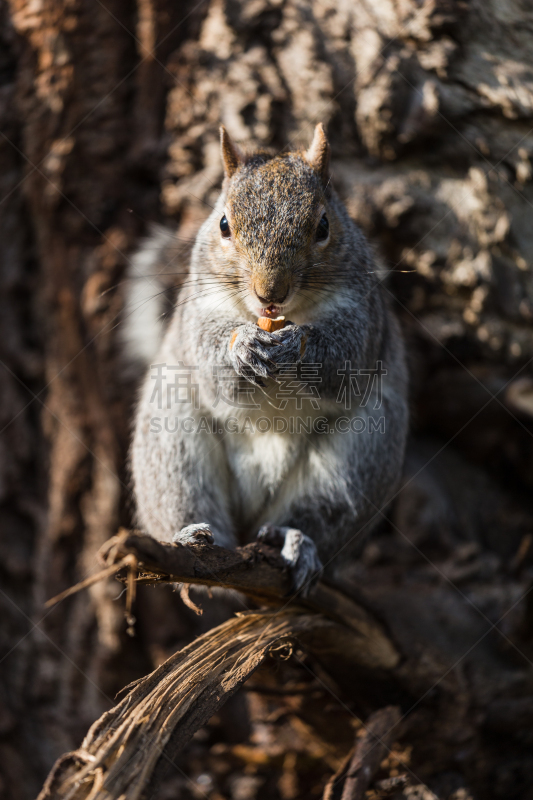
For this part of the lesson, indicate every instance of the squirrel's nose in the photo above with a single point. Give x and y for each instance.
(266, 301)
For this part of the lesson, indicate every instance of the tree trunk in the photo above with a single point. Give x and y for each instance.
(110, 121)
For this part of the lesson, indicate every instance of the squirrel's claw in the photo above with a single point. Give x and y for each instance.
(300, 553)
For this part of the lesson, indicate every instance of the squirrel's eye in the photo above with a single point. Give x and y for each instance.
(322, 231)
(224, 227)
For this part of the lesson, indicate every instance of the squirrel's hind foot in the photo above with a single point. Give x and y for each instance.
(194, 534)
(300, 553)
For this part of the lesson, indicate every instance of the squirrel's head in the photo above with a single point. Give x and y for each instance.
(276, 226)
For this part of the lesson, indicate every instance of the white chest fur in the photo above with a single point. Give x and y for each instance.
(261, 464)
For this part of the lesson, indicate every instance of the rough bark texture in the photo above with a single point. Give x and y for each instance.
(110, 112)
(120, 755)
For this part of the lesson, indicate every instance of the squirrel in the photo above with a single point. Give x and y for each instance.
(237, 454)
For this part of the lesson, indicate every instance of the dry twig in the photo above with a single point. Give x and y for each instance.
(355, 775)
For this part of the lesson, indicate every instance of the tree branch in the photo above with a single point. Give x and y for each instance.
(258, 571)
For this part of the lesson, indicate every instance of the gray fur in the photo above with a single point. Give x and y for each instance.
(332, 487)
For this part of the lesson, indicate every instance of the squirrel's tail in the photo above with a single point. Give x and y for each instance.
(153, 278)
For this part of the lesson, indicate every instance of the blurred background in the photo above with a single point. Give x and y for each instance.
(109, 123)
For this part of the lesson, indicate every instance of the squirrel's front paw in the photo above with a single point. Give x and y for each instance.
(300, 553)
(194, 534)
(289, 346)
(250, 354)
(257, 354)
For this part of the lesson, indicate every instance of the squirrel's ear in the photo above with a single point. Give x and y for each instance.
(231, 157)
(318, 154)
